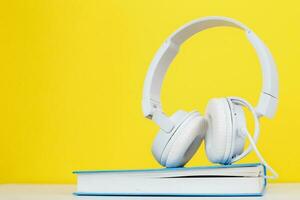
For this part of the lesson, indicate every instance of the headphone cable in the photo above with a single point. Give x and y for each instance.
(242, 102)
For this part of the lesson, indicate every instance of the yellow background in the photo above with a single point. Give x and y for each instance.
(72, 75)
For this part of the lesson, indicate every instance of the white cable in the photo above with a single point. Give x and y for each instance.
(242, 102)
(252, 141)
(260, 157)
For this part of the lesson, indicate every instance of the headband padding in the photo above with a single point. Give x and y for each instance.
(218, 138)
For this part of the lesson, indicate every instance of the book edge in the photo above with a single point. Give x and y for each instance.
(170, 169)
(171, 194)
(259, 194)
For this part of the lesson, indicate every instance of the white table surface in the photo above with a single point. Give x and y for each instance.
(289, 191)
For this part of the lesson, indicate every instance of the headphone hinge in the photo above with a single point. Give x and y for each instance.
(163, 121)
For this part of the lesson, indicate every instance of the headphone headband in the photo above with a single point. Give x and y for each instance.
(152, 109)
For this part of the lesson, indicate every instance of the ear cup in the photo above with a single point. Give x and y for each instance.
(185, 142)
(176, 148)
(218, 139)
(162, 138)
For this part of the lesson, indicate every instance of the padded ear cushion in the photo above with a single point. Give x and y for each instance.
(162, 138)
(185, 142)
(218, 138)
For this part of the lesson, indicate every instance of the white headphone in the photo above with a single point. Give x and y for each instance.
(223, 127)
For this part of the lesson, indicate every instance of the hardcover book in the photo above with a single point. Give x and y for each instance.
(228, 180)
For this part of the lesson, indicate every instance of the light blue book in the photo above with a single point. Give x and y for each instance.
(228, 180)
